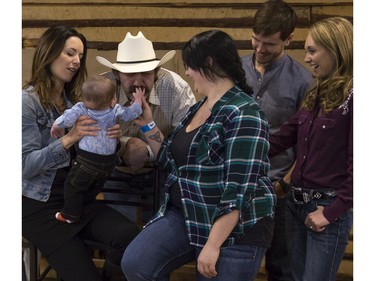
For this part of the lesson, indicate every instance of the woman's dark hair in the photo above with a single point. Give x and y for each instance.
(49, 47)
(214, 54)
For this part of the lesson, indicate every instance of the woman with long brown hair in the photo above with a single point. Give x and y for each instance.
(58, 72)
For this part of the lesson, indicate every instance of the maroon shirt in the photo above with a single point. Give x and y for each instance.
(324, 146)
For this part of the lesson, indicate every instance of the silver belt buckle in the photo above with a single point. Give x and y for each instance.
(306, 197)
(317, 195)
(294, 197)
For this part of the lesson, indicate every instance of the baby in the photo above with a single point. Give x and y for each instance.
(96, 155)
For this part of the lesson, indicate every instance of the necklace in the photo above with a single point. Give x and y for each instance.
(206, 112)
(60, 107)
(199, 118)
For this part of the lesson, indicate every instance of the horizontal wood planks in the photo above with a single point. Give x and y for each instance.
(168, 24)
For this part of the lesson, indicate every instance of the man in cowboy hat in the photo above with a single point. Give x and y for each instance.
(167, 93)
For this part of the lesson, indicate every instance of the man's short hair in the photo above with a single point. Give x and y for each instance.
(275, 16)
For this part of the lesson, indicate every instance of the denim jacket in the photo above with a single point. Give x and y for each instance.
(42, 155)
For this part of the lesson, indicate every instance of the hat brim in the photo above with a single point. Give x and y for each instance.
(136, 67)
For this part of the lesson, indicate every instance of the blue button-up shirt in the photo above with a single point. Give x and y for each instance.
(279, 93)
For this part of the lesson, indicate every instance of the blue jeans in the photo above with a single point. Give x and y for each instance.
(316, 255)
(164, 246)
(277, 256)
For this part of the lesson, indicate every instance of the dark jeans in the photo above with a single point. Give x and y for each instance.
(316, 255)
(85, 180)
(74, 263)
(277, 256)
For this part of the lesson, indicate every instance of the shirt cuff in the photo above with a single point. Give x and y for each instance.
(123, 141)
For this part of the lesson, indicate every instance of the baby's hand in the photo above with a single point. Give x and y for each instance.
(56, 132)
(138, 94)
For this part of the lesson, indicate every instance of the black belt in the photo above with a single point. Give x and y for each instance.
(302, 196)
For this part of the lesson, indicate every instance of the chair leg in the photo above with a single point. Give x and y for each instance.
(34, 270)
(156, 186)
(46, 271)
(33, 262)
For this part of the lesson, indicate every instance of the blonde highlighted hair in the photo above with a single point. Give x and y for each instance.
(336, 36)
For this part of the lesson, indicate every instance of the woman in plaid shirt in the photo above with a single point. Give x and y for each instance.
(219, 201)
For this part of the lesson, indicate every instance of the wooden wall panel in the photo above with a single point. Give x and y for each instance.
(169, 24)
(179, 2)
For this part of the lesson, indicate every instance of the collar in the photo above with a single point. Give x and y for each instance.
(153, 98)
(271, 65)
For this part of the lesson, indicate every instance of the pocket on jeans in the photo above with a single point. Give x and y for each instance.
(239, 262)
(83, 178)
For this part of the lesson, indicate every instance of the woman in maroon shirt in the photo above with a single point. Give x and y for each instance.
(319, 214)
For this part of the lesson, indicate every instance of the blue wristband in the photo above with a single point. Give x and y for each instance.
(148, 127)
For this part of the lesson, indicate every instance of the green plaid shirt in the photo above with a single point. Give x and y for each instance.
(226, 168)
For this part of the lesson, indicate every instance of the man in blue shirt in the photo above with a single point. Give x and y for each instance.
(279, 83)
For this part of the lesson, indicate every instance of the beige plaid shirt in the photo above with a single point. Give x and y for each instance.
(170, 99)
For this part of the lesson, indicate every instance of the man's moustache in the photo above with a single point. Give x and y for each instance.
(133, 88)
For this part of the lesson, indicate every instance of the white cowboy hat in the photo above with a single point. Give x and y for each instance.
(136, 54)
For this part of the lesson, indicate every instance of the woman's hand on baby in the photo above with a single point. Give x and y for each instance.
(56, 132)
